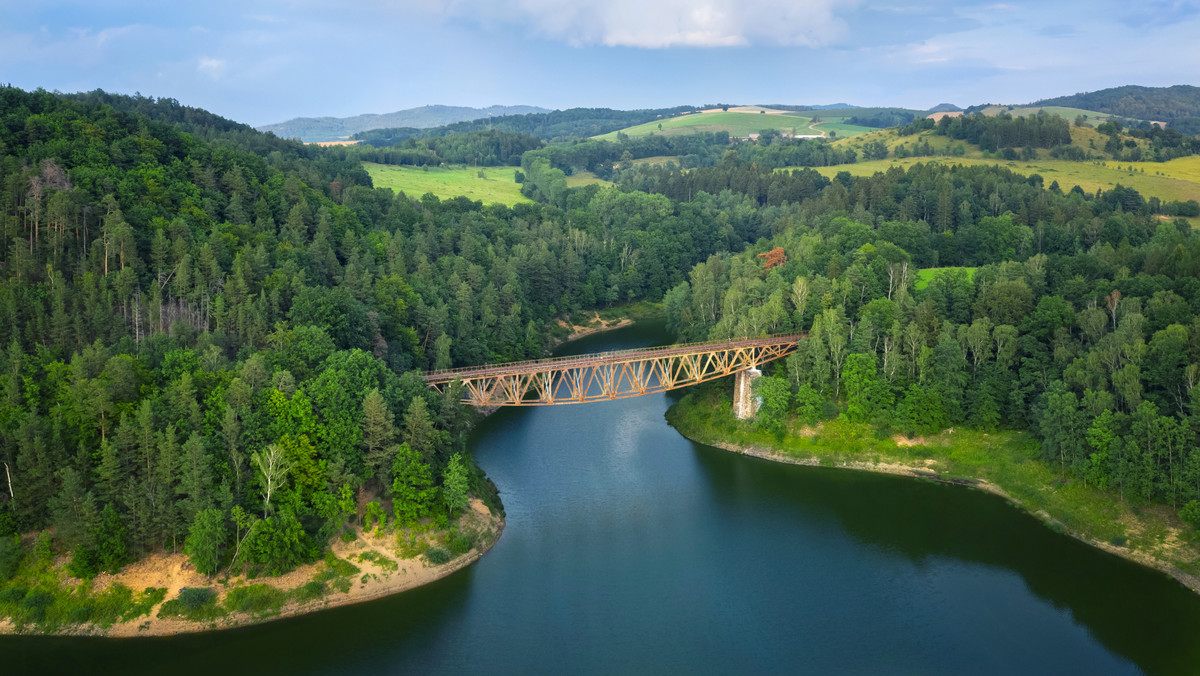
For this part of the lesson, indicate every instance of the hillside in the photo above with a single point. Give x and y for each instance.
(1174, 180)
(310, 129)
(744, 121)
(1143, 103)
(556, 125)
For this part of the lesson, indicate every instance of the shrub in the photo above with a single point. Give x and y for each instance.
(194, 597)
(34, 606)
(13, 595)
(310, 592)
(256, 598)
(437, 555)
(84, 563)
(10, 556)
(460, 544)
(194, 603)
(80, 614)
(1191, 514)
(339, 567)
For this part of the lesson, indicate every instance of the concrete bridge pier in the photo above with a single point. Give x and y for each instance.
(745, 404)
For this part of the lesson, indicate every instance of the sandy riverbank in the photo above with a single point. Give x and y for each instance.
(384, 572)
(924, 472)
(594, 326)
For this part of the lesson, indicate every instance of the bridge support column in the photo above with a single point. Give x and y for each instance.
(745, 404)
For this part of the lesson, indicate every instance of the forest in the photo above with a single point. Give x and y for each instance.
(1074, 316)
(211, 337)
(1143, 103)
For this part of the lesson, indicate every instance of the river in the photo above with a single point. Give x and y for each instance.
(630, 549)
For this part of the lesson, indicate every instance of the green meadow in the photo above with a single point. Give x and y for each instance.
(926, 275)
(497, 185)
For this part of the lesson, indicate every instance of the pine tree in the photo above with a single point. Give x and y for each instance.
(379, 434)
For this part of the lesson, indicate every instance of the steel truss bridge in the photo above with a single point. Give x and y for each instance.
(610, 375)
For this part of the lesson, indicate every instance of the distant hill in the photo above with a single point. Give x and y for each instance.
(554, 125)
(1143, 103)
(310, 129)
(945, 108)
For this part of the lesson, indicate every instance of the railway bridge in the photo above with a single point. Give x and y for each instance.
(619, 375)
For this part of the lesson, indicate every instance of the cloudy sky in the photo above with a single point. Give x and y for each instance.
(262, 61)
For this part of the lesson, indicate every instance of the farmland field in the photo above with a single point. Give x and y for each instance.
(498, 186)
(1178, 179)
(739, 124)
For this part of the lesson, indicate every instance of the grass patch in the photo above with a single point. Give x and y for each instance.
(256, 599)
(410, 545)
(496, 186)
(379, 560)
(657, 160)
(339, 567)
(437, 556)
(197, 604)
(926, 275)
(310, 591)
(582, 178)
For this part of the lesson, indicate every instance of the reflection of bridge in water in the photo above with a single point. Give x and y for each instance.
(614, 375)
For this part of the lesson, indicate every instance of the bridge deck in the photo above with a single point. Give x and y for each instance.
(615, 357)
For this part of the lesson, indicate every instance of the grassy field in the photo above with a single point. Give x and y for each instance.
(926, 275)
(1085, 138)
(740, 124)
(1164, 180)
(1068, 114)
(657, 159)
(1007, 459)
(582, 178)
(841, 129)
(498, 186)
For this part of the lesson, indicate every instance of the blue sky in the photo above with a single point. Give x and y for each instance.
(263, 61)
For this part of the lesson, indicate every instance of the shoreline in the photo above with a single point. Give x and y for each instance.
(382, 573)
(594, 326)
(768, 454)
(172, 572)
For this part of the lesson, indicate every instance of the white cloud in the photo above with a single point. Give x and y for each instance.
(212, 67)
(658, 24)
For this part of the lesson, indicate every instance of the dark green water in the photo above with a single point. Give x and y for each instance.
(632, 550)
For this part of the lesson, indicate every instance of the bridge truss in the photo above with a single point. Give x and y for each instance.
(610, 375)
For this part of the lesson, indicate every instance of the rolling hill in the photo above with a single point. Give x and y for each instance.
(311, 129)
(743, 121)
(1142, 103)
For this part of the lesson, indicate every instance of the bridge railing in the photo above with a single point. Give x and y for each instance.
(616, 355)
